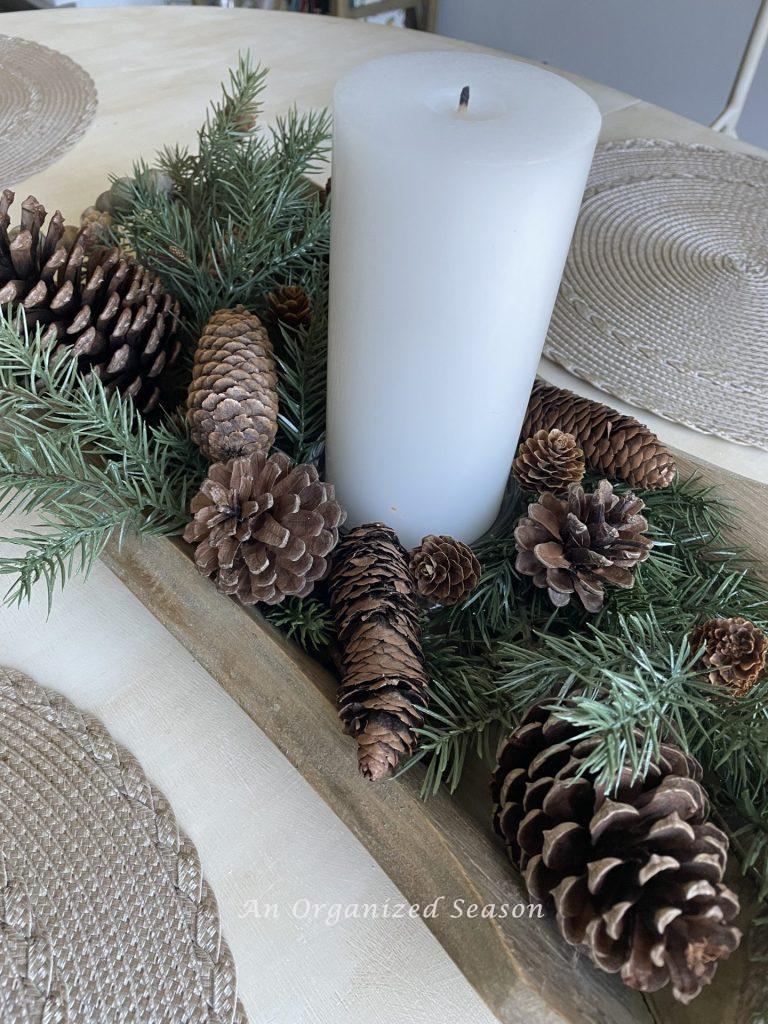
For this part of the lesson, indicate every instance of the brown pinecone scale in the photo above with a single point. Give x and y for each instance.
(264, 527)
(550, 460)
(735, 652)
(383, 684)
(446, 570)
(583, 542)
(232, 401)
(635, 876)
(616, 446)
(110, 312)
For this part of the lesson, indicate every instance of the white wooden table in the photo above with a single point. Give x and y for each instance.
(262, 833)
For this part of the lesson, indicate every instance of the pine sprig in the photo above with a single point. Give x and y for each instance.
(633, 689)
(83, 461)
(465, 715)
(694, 573)
(301, 355)
(308, 622)
(242, 217)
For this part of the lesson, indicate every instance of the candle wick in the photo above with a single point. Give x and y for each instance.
(464, 99)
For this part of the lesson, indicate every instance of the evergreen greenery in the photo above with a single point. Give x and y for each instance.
(83, 461)
(241, 217)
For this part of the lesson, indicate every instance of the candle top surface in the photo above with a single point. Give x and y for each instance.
(483, 108)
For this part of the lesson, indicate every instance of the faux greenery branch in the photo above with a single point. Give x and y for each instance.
(84, 462)
(241, 216)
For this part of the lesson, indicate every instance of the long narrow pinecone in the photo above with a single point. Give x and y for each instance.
(232, 401)
(616, 446)
(635, 876)
(106, 308)
(383, 686)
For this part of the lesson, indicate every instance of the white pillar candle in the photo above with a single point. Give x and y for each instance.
(450, 228)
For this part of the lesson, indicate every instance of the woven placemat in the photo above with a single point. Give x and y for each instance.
(46, 103)
(664, 300)
(104, 912)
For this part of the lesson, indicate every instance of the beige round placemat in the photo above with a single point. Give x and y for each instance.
(664, 299)
(104, 913)
(46, 103)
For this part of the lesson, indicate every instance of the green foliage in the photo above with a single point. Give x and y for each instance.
(301, 362)
(84, 462)
(625, 677)
(241, 217)
(692, 574)
(309, 622)
(638, 686)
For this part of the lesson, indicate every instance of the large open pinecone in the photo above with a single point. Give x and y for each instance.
(383, 685)
(582, 542)
(735, 652)
(232, 401)
(445, 570)
(105, 308)
(264, 527)
(617, 446)
(635, 875)
(549, 461)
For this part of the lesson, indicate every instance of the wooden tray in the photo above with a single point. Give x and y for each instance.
(521, 967)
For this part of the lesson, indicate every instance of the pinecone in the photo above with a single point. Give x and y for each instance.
(383, 686)
(106, 309)
(735, 654)
(445, 570)
(635, 876)
(264, 527)
(616, 446)
(232, 401)
(549, 461)
(582, 542)
(289, 305)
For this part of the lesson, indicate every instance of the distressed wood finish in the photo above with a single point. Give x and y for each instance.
(522, 968)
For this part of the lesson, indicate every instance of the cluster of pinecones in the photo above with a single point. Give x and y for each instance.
(602, 440)
(635, 876)
(263, 528)
(573, 542)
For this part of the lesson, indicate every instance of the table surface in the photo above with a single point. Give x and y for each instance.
(262, 833)
(156, 69)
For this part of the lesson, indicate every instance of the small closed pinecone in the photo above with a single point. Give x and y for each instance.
(99, 305)
(635, 876)
(445, 570)
(383, 684)
(735, 652)
(264, 527)
(580, 543)
(232, 401)
(617, 446)
(551, 460)
(289, 305)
